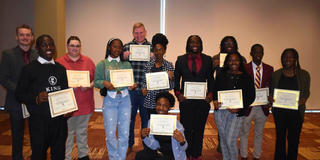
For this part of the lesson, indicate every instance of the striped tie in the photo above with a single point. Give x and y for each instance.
(258, 77)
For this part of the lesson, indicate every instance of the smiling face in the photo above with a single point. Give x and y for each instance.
(115, 48)
(159, 51)
(139, 34)
(162, 106)
(46, 48)
(24, 37)
(194, 44)
(229, 45)
(289, 60)
(257, 55)
(74, 48)
(234, 62)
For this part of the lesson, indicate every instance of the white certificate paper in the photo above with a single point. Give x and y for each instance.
(261, 97)
(157, 80)
(25, 112)
(162, 124)
(62, 102)
(78, 78)
(139, 53)
(230, 99)
(222, 57)
(121, 77)
(195, 90)
(287, 99)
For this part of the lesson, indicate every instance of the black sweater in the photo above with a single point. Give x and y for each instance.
(225, 81)
(35, 78)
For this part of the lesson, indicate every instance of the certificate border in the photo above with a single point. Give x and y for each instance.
(139, 59)
(121, 70)
(83, 72)
(195, 97)
(55, 114)
(228, 91)
(275, 95)
(159, 73)
(173, 117)
(261, 103)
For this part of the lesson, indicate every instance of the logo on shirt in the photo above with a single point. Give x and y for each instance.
(52, 80)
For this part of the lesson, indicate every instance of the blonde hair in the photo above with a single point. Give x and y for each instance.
(137, 25)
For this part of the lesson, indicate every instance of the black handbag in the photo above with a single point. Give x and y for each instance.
(103, 91)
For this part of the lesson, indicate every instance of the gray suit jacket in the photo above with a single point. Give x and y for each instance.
(10, 68)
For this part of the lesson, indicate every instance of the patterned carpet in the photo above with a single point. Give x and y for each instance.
(309, 141)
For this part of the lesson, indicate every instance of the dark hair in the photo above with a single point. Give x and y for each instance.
(168, 96)
(226, 66)
(222, 49)
(73, 38)
(24, 26)
(159, 38)
(40, 39)
(108, 51)
(295, 53)
(188, 49)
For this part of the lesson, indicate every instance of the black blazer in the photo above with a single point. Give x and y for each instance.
(182, 71)
(10, 68)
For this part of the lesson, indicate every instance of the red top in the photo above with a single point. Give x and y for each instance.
(85, 98)
(198, 61)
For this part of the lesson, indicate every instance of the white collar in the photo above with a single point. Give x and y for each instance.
(44, 61)
(255, 66)
(117, 59)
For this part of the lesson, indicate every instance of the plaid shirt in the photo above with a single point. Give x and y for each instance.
(137, 66)
(150, 99)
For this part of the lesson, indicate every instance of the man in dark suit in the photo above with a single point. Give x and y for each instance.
(12, 62)
(261, 74)
(194, 66)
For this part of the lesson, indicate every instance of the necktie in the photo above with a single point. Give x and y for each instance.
(258, 78)
(26, 58)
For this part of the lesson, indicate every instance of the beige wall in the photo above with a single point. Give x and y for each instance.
(275, 24)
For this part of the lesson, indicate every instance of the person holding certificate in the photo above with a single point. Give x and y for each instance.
(229, 121)
(159, 64)
(289, 122)
(261, 74)
(37, 79)
(137, 99)
(13, 60)
(194, 67)
(160, 146)
(78, 123)
(116, 104)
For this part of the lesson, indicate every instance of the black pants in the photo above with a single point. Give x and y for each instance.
(288, 126)
(193, 116)
(148, 154)
(17, 130)
(48, 132)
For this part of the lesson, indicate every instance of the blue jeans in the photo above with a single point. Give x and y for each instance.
(137, 100)
(116, 113)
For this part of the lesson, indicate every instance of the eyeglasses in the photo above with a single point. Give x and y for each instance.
(74, 46)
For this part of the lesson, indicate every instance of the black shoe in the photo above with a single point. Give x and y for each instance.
(84, 158)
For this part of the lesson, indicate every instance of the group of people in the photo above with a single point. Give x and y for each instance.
(29, 76)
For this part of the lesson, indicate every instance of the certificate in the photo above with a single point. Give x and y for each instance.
(62, 102)
(139, 53)
(162, 124)
(121, 77)
(287, 99)
(195, 90)
(222, 58)
(25, 112)
(230, 99)
(157, 80)
(78, 78)
(261, 97)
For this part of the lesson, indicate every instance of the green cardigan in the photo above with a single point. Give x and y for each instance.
(102, 71)
(303, 78)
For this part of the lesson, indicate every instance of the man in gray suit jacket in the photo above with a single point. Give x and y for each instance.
(12, 62)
